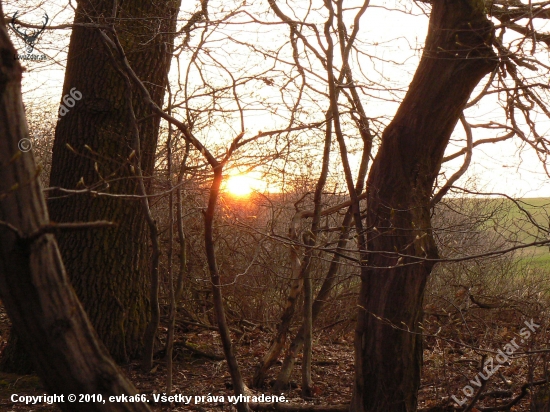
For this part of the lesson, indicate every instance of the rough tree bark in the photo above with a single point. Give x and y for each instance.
(388, 341)
(209, 215)
(93, 142)
(34, 288)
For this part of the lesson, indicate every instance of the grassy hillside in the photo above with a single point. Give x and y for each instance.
(528, 221)
(503, 222)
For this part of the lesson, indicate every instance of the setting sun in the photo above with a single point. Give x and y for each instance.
(241, 185)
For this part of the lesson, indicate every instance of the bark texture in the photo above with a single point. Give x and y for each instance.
(34, 288)
(388, 342)
(15, 358)
(93, 141)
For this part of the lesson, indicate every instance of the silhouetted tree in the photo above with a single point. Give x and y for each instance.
(388, 340)
(34, 288)
(93, 149)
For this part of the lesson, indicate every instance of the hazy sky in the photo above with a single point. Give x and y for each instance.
(393, 41)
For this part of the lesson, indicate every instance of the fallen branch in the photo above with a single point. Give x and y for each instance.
(484, 305)
(202, 325)
(507, 406)
(197, 324)
(193, 348)
(481, 388)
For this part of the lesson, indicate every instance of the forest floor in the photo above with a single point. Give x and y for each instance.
(198, 375)
(332, 372)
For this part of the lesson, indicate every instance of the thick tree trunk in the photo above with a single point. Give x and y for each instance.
(388, 341)
(34, 288)
(15, 358)
(109, 269)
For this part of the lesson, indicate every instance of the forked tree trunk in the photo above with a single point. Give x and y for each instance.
(34, 288)
(388, 340)
(283, 378)
(296, 286)
(109, 269)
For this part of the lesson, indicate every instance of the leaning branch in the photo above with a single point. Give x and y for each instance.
(154, 107)
(469, 146)
(53, 227)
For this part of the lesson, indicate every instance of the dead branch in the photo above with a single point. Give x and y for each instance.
(193, 348)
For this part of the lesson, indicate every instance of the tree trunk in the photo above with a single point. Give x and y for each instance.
(93, 142)
(283, 377)
(388, 340)
(34, 288)
(307, 326)
(15, 358)
(296, 286)
(217, 297)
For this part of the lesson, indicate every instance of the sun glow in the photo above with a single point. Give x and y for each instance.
(241, 185)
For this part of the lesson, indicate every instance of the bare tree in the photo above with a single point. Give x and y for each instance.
(389, 358)
(93, 149)
(34, 287)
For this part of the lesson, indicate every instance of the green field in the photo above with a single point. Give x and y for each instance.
(515, 223)
(520, 217)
